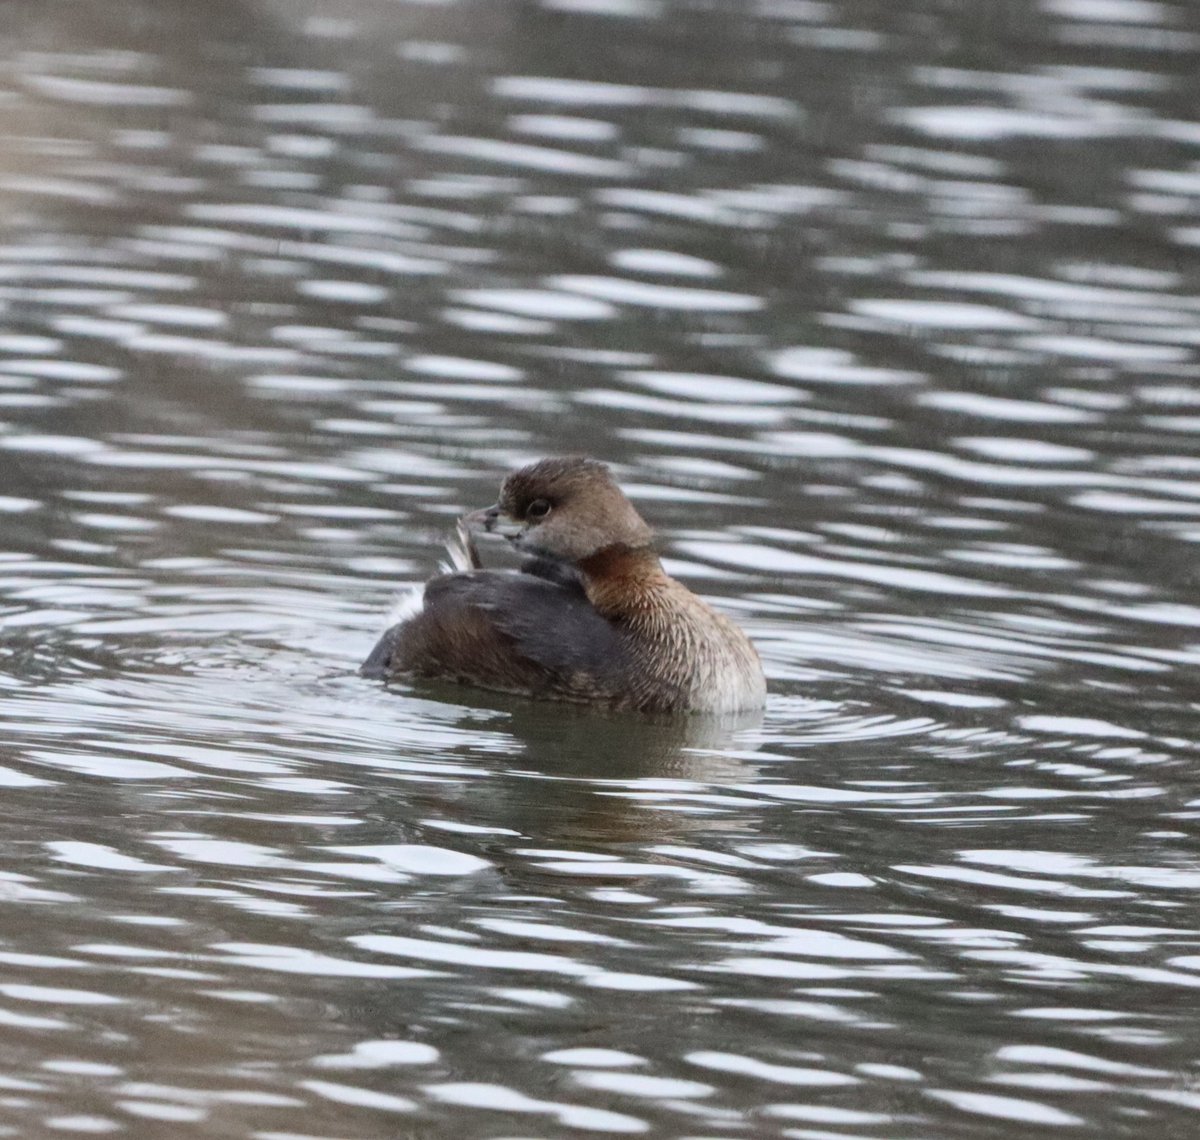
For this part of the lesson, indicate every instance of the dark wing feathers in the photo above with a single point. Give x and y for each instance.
(554, 625)
(554, 570)
(521, 632)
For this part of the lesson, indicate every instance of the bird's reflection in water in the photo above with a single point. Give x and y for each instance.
(574, 775)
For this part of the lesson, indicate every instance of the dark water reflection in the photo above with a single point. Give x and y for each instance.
(885, 314)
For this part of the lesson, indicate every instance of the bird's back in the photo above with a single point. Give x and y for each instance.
(525, 632)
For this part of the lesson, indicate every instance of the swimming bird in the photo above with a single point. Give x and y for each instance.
(591, 617)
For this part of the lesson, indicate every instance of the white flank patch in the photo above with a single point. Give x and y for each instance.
(407, 604)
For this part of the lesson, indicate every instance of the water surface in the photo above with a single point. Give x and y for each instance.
(884, 314)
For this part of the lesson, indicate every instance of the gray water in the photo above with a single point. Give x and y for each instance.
(885, 314)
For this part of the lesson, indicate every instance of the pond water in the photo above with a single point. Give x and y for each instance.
(885, 315)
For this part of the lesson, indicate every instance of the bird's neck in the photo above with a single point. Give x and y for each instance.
(624, 582)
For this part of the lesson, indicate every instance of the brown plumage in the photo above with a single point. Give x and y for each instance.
(593, 617)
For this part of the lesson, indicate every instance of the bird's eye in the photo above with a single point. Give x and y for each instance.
(538, 509)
